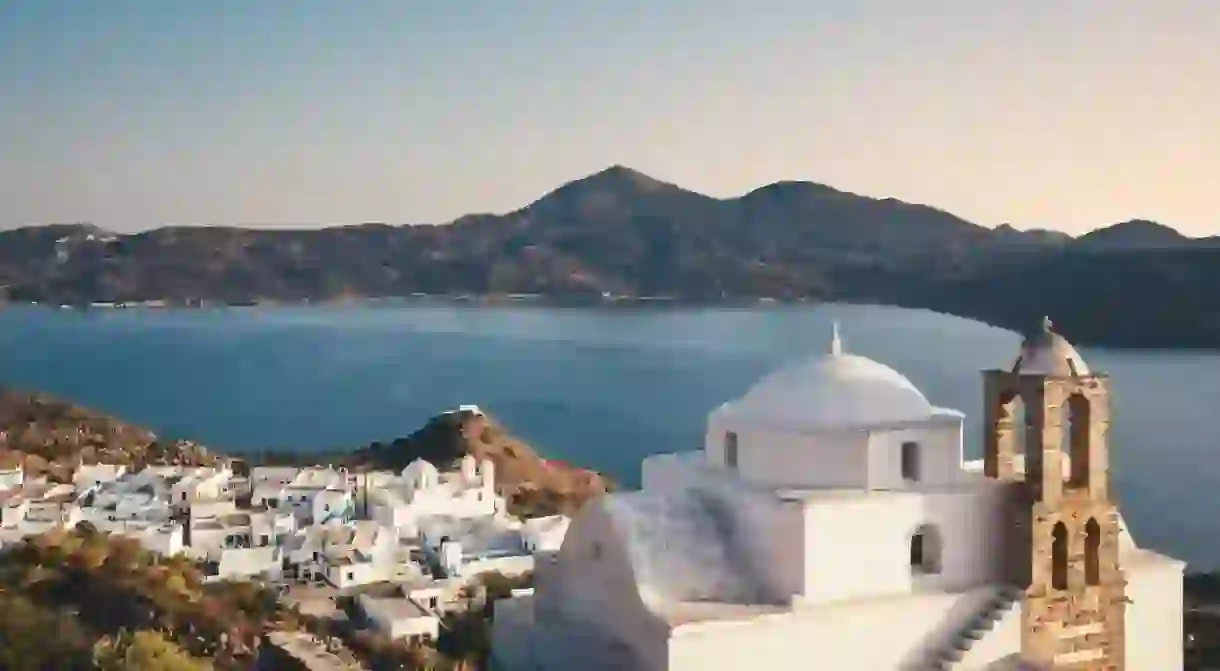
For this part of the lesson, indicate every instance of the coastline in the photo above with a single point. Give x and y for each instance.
(598, 303)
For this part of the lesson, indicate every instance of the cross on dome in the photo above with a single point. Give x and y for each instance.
(836, 344)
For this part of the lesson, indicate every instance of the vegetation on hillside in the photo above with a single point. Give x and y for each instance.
(52, 437)
(624, 233)
(112, 605)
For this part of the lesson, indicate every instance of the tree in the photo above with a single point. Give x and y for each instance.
(144, 651)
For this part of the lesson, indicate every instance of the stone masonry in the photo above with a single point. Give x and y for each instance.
(1063, 537)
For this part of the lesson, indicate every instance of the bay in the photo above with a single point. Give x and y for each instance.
(596, 387)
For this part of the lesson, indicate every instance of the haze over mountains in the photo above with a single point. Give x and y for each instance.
(1136, 283)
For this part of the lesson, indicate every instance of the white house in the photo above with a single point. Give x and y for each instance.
(165, 538)
(829, 522)
(37, 508)
(313, 495)
(93, 475)
(11, 478)
(400, 617)
(200, 484)
(348, 555)
(544, 534)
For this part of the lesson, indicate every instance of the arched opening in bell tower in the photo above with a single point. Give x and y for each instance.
(1077, 435)
(1092, 552)
(1059, 556)
(1013, 412)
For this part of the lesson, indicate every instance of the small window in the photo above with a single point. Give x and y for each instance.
(926, 548)
(730, 450)
(596, 551)
(351, 575)
(910, 461)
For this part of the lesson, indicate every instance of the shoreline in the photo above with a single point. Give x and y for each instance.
(546, 302)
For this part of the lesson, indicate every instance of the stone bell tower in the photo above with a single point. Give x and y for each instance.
(1062, 545)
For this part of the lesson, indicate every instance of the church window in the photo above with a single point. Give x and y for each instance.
(910, 461)
(926, 547)
(1059, 557)
(1092, 552)
(730, 450)
(1078, 440)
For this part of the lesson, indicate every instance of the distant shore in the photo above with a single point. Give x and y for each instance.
(1124, 341)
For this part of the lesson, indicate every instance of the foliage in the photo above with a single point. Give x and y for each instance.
(34, 637)
(144, 651)
(113, 585)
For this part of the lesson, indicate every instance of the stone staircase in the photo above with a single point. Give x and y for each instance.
(948, 655)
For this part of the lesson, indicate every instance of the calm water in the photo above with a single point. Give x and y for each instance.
(598, 388)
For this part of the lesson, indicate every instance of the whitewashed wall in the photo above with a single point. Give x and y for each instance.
(592, 596)
(939, 455)
(767, 533)
(866, 636)
(860, 547)
(780, 458)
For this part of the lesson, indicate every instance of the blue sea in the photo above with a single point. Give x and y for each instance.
(596, 387)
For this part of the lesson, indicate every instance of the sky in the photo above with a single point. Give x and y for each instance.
(1064, 114)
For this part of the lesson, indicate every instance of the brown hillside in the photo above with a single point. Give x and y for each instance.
(533, 486)
(51, 436)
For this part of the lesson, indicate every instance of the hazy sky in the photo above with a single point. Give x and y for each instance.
(1067, 114)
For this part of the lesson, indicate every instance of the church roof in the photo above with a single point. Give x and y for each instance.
(677, 549)
(831, 390)
(1045, 352)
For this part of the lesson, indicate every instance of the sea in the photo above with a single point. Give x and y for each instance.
(601, 388)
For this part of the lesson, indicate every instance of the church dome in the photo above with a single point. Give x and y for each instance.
(834, 390)
(1045, 352)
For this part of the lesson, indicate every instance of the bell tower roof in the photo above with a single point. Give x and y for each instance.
(1044, 352)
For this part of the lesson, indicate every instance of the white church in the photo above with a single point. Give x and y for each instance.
(831, 522)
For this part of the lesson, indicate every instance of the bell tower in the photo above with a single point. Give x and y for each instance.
(1062, 542)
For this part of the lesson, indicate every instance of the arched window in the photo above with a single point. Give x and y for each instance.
(926, 548)
(1078, 440)
(1092, 552)
(910, 461)
(730, 450)
(1059, 557)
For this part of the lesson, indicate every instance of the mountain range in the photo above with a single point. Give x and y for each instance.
(620, 232)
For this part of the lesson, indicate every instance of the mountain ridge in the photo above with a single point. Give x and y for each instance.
(620, 232)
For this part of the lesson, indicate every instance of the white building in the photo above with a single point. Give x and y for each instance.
(830, 522)
(93, 475)
(11, 478)
(349, 555)
(200, 484)
(400, 617)
(313, 495)
(544, 534)
(421, 491)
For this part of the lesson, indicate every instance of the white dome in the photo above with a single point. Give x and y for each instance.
(833, 390)
(1045, 352)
